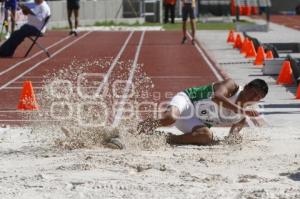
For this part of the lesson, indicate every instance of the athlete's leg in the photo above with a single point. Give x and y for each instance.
(5, 22)
(76, 14)
(184, 21)
(200, 135)
(13, 20)
(193, 25)
(184, 28)
(69, 18)
(172, 7)
(166, 10)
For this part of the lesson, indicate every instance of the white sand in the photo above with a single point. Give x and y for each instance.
(265, 165)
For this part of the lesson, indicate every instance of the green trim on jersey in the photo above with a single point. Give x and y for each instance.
(200, 92)
(207, 125)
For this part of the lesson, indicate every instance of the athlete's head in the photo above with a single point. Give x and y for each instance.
(255, 90)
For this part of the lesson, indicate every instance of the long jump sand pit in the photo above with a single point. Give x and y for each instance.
(265, 164)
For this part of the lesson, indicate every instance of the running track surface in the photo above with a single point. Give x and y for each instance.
(286, 20)
(170, 65)
(289, 21)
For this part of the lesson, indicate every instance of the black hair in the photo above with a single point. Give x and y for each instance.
(260, 85)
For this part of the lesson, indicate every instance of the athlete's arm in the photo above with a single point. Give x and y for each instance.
(169, 117)
(236, 128)
(26, 10)
(222, 91)
(225, 89)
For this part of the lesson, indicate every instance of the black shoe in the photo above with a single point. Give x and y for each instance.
(115, 143)
(183, 40)
(75, 33)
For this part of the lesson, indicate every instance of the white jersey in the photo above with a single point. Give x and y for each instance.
(210, 113)
(41, 11)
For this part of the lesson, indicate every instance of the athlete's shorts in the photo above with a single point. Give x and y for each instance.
(188, 119)
(11, 5)
(73, 4)
(187, 11)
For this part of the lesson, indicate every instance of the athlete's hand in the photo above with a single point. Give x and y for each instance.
(251, 113)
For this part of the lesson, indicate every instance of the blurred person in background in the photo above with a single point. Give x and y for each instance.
(169, 6)
(73, 6)
(36, 19)
(10, 7)
(188, 7)
(298, 9)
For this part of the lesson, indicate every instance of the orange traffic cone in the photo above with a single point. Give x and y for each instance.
(260, 58)
(233, 8)
(251, 53)
(242, 10)
(248, 11)
(230, 38)
(238, 42)
(27, 98)
(298, 92)
(285, 75)
(269, 55)
(245, 46)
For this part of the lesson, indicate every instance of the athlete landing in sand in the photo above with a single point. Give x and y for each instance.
(195, 110)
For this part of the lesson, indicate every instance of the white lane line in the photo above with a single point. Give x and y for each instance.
(19, 88)
(107, 75)
(44, 60)
(36, 87)
(34, 82)
(175, 77)
(29, 58)
(211, 66)
(29, 120)
(16, 111)
(32, 77)
(128, 83)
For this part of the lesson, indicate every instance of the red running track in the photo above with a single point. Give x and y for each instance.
(289, 21)
(170, 65)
